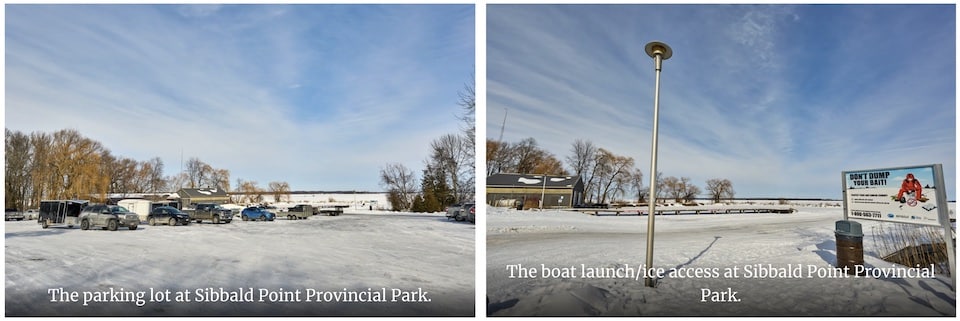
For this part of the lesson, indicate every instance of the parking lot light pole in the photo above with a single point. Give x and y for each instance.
(543, 191)
(659, 52)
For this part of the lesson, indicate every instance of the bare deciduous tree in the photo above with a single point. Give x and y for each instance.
(154, 170)
(690, 191)
(220, 178)
(583, 162)
(280, 191)
(177, 181)
(720, 189)
(680, 189)
(401, 185)
(582, 157)
(450, 155)
(17, 179)
(123, 174)
(636, 183)
(525, 155)
(610, 173)
(66, 164)
(671, 187)
(497, 157)
(468, 100)
(42, 181)
(198, 173)
(251, 193)
(548, 164)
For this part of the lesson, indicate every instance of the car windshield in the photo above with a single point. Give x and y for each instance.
(167, 209)
(119, 209)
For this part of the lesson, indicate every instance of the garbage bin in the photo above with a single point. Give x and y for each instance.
(849, 245)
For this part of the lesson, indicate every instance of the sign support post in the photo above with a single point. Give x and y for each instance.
(944, 216)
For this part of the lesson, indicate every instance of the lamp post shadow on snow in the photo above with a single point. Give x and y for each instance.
(494, 307)
(694, 258)
(47, 232)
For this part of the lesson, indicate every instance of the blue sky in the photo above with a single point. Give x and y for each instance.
(780, 99)
(320, 96)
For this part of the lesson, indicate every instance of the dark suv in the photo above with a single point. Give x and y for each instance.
(169, 215)
(110, 217)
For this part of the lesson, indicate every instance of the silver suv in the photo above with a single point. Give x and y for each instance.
(109, 216)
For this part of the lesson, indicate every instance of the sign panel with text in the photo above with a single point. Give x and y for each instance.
(904, 194)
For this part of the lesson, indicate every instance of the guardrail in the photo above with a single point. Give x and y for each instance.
(702, 209)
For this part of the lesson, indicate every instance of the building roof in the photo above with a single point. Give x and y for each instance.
(532, 180)
(202, 192)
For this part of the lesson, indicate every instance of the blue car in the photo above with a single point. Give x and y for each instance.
(256, 214)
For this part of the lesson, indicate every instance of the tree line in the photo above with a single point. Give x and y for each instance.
(66, 165)
(448, 176)
(606, 176)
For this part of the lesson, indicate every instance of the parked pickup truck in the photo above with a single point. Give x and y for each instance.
(302, 211)
(209, 211)
(12, 214)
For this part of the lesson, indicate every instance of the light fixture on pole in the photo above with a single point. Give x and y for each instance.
(659, 52)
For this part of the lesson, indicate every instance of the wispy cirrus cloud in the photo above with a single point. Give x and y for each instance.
(320, 96)
(198, 10)
(777, 98)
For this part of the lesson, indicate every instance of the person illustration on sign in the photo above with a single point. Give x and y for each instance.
(911, 186)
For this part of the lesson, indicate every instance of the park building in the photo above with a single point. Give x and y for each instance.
(524, 191)
(203, 195)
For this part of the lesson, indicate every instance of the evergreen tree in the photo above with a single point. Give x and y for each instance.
(417, 206)
(437, 194)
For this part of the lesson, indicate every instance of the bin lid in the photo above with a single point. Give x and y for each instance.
(848, 228)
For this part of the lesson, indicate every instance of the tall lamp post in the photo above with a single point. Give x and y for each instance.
(543, 191)
(659, 52)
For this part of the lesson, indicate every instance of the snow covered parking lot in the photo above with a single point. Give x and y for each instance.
(710, 245)
(354, 264)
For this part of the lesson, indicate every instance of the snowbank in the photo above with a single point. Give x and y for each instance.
(702, 251)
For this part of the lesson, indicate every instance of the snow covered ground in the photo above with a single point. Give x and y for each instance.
(711, 245)
(359, 200)
(373, 256)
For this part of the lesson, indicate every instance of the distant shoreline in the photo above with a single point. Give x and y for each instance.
(335, 192)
